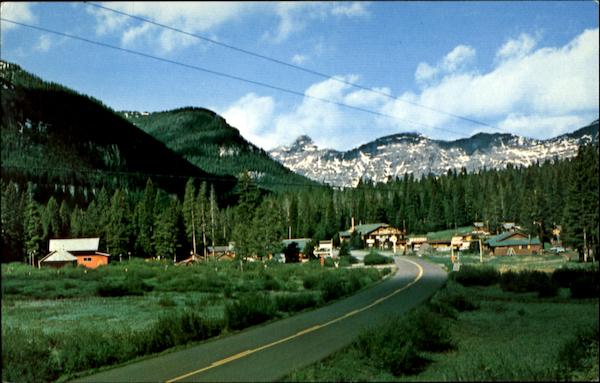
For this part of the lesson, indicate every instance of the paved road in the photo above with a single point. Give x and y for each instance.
(271, 351)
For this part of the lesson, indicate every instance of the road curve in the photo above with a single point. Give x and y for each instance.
(271, 351)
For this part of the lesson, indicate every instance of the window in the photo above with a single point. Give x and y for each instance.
(87, 259)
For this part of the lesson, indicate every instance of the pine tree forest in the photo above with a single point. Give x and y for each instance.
(151, 222)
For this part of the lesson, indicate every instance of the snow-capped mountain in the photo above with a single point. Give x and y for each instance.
(393, 156)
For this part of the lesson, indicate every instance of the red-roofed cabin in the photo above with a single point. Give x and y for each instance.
(84, 249)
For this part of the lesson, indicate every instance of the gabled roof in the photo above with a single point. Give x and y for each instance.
(75, 244)
(59, 256)
(302, 242)
(505, 239)
(363, 229)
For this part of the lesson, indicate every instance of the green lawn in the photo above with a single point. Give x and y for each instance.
(507, 337)
(75, 319)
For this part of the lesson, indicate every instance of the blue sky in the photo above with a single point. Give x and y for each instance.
(529, 68)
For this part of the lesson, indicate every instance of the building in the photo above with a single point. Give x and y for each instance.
(58, 259)
(379, 235)
(480, 229)
(301, 244)
(514, 243)
(85, 250)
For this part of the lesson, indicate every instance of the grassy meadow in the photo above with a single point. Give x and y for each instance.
(59, 322)
(501, 321)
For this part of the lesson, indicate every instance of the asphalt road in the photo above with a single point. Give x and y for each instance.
(271, 351)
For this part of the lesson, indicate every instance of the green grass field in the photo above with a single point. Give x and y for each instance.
(507, 337)
(74, 319)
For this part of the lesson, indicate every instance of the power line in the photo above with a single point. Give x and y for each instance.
(290, 65)
(222, 74)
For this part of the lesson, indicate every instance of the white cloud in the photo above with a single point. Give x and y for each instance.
(193, 17)
(541, 94)
(294, 16)
(553, 84)
(350, 10)
(458, 57)
(456, 60)
(541, 126)
(299, 59)
(44, 43)
(251, 115)
(516, 48)
(16, 11)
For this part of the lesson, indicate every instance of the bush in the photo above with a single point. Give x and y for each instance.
(476, 276)
(450, 300)
(397, 344)
(374, 258)
(119, 288)
(528, 281)
(296, 302)
(249, 310)
(178, 328)
(586, 286)
(333, 286)
(579, 355)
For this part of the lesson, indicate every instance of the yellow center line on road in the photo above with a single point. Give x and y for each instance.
(303, 332)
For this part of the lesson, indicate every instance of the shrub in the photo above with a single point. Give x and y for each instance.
(119, 288)
(296, 302)
(333, 286)
(451, 299)
(166, 302)
(311, 281)
(249, 310)
(579, 355)
(476, 276)
(178, 328)
(528, 281)
(586, 286)
(396, 345)
(374, 258)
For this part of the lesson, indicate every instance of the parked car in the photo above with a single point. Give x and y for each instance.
(557, 249)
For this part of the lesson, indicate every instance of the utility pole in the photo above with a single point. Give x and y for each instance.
(585, 249)
(480, 251)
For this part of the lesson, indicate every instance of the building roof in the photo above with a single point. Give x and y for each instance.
(302, 242)
(75, 244)
(59, 256)
(364, 229)
(505, 239)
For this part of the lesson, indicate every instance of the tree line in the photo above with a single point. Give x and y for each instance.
(151, 222)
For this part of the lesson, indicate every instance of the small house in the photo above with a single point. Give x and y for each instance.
(301, 244)
(379, 235)
(58, 259)
(85, 250)
(514, 243)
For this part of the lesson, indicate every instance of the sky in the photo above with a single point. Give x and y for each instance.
(446, 70)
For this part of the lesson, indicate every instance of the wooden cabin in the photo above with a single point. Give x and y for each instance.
(514, 243)
(379, 235)
(85, 250)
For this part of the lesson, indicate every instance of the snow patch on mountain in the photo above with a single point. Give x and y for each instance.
(408, 153)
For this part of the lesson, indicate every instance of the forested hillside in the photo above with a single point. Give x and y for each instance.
(150, 222)
(59, 139)
(206, 140)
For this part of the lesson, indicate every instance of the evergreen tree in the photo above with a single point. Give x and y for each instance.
(166, 231)
(33, 227)
(119, 229)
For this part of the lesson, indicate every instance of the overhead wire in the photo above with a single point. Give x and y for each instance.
(287, 64)
(223, 74)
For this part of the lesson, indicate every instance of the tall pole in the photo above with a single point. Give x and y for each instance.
(480, 252)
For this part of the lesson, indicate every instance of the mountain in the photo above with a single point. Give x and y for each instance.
(56, 137)
(206, 140)
(410, 153)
